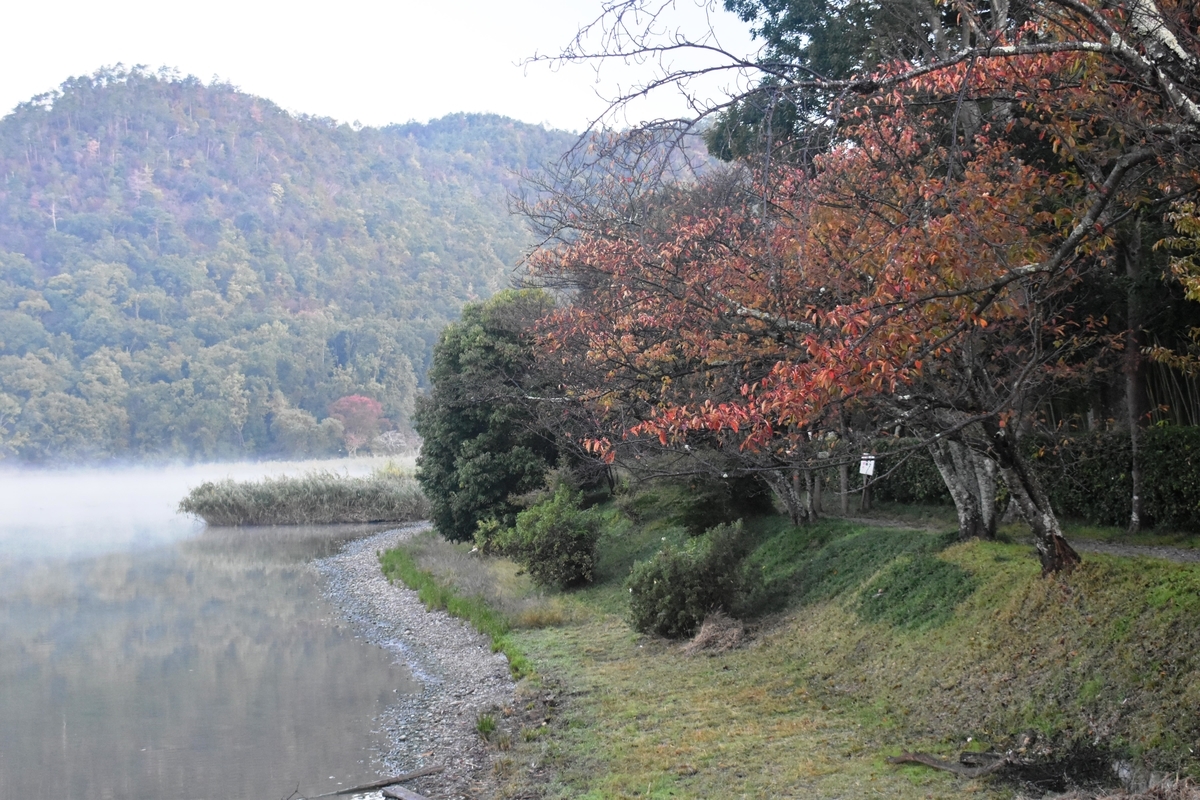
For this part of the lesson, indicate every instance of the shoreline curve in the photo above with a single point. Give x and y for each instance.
(460, 676)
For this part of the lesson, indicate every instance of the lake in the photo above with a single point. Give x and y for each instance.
(145, 656)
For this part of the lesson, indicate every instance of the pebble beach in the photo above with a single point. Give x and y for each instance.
(460, 676)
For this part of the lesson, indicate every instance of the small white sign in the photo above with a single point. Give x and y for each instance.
(867, 465)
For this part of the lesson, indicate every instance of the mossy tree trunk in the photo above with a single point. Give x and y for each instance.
(1023, 486)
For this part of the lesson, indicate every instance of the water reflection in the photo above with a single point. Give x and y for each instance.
(209, 667)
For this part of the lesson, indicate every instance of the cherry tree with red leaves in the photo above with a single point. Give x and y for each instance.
(361, 418)
(879, 284)
(915, 269)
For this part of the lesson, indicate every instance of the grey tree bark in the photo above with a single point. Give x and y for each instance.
(784, 487)
(970, 478)
(1135, 373)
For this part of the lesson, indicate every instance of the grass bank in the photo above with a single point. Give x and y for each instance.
(877, 639)
(481, 591)
(316, 498)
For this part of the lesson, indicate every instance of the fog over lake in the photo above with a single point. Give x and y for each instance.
(145, 656)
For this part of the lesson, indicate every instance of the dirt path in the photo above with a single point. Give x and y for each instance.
(1180, 555)
(1177, 554)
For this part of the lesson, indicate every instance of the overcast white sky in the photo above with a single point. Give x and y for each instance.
(375, 61)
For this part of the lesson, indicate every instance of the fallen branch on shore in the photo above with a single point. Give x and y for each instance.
(370, 787)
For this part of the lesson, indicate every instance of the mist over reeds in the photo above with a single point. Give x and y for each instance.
(315, 498)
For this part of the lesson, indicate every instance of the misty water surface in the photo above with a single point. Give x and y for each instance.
(144, 656)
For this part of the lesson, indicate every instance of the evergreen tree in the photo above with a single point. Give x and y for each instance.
(483, 444)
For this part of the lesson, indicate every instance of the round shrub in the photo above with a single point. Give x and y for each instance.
(554, 540)
(672, 593)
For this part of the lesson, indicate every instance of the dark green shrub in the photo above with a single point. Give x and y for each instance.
(672, 593)
(697, 502)
(482, 444)
(1171, 476)
(1087, 475)
(555, 540)
(909, 476)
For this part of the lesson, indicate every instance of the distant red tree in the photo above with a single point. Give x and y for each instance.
(361, 418)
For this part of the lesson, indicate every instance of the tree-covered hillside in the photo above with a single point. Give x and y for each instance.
(189, 270)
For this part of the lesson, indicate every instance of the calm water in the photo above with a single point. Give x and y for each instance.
(144, 656)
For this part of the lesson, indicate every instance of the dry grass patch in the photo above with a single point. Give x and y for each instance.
(499, 582)
(718, 633)
(316, 498)
(650, 721)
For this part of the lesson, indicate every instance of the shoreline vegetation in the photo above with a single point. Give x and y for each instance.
(875, 639)
(387, 495)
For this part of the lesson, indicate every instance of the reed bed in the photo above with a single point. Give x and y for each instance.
(317, 498)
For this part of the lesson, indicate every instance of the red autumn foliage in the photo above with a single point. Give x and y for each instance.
(361, 418)
(921, 272)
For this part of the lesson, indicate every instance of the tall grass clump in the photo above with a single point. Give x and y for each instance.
(316, 498)
(501, 584)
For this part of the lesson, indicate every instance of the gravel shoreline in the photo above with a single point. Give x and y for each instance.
(460, 675)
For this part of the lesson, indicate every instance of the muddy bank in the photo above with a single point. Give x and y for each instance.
(460, 675)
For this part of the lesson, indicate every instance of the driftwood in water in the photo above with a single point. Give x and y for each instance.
(962, 770)
(369, 787)
(400, 793)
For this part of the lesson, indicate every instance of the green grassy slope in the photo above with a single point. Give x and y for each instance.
(882, 639)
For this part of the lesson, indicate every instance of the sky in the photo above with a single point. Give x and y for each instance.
(368, 61)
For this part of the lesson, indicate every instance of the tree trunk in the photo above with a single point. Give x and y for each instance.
(812, 497)
(1135, 465)
(785, 488)
(1135, 369)
(1055, 553)
(965, 475)
(844, 481)
(986, 473)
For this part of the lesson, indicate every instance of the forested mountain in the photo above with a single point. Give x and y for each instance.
(188, 270)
